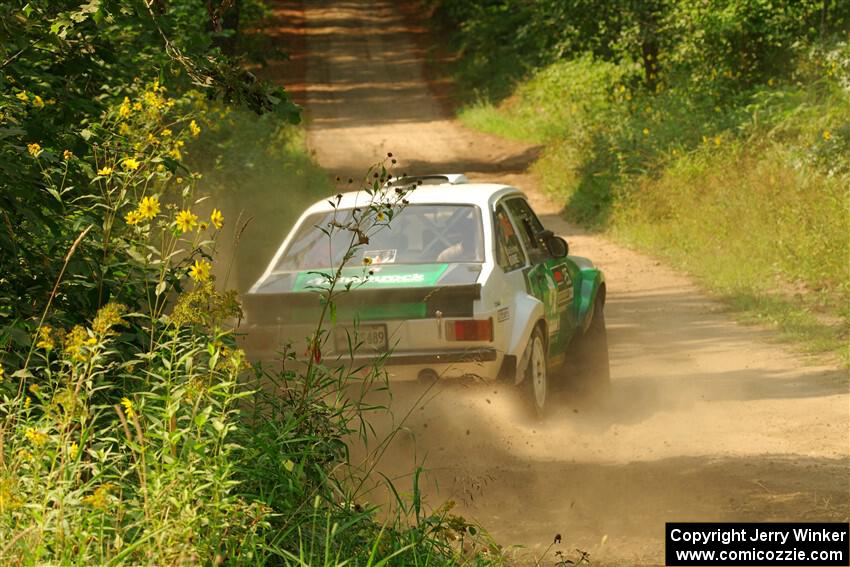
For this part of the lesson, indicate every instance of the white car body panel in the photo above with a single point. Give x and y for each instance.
(504, 297)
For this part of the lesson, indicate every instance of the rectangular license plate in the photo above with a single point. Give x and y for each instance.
(372, 337)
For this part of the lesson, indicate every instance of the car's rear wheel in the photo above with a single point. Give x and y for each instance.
(591, 354)
(536, 387)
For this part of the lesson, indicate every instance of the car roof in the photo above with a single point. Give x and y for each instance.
(484, 195)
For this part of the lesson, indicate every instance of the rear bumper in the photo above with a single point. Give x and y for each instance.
(416, 347)
(403, 358)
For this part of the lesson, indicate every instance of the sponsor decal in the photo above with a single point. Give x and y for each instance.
(503, 314)
(389, 275)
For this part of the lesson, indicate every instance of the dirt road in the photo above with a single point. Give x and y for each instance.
(709, 420)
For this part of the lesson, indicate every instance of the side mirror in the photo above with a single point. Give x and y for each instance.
(556, 245)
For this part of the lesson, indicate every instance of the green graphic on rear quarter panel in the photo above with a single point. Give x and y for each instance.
(549, 281)
(383, 276)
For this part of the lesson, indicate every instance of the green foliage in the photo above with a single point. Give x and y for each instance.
(131, 428)
(143, 436)
(66, 68)
(727, 151)
(741, 42)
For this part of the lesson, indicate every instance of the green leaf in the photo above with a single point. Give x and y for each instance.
(202, 417)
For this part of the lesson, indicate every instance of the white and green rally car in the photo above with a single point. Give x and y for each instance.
(464, 281)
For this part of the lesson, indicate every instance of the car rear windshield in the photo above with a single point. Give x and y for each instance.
(418, 234)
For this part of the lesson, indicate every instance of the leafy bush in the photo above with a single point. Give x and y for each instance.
(131, 427)
(712, 133)
(727, 44)
(138, 436)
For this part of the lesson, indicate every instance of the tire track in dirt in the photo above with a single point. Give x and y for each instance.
(708, 421)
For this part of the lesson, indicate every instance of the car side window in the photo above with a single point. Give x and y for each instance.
(508, 250)
(529, 227)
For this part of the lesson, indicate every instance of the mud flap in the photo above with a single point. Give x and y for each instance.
(522, 365)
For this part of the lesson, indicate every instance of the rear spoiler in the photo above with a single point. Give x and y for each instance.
(365, 304)
(430, 179)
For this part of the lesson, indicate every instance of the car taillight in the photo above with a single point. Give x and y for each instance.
(470, 330)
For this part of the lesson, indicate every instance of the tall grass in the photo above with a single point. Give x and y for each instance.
(748, 190)
(142, 434)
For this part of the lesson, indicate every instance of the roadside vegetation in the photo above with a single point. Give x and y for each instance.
(713, 134)
(133, 150)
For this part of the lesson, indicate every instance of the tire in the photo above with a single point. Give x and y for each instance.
(536, 386)
(591, 355)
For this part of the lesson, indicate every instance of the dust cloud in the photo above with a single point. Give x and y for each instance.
(707, 421)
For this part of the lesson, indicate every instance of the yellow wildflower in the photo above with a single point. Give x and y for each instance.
(200, 271)
(131, 164)
(367, 260)
(104, 171)
(646, 131)
(175, 153)
(217, 218)
(97, 499)
(194, 128)
(34, 149)
(123, 129)
(149, 207)
(203, 226)
(133, 218)
(151, 99)
(2, 373)
(45, 338)
(23, 96)
(37, 102)
(24, 455)
(67, 155)
(153, 140)
(73, 449)
(36, 437)
(137, 106)
(717, 140)
(186, 220)
(128, 408)
(179, 180)
(124, 110)
(107, 317)
(166, 132)
(827, 135)
(74, 343)
(27, 402)
(35, 389)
